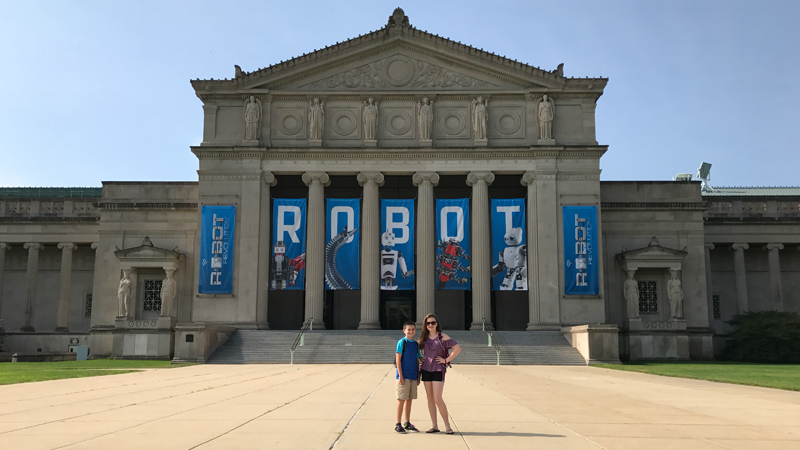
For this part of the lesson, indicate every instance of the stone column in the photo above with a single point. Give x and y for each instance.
(775, 285)
(62, 320)
(3, 248)
(709, 284)
(370, 250)
(426, 243)
(248, 230)
(31, 276)
(481, 249)
(264, 251)
(741, 276)
(315, 246)
(534, 311)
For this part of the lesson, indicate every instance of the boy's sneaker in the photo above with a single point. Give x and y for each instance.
(410, 427)
(399, 428)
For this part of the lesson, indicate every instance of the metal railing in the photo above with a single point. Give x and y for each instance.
(489, 335)
(308, 325)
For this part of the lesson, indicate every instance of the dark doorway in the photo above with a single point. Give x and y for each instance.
(396, 308)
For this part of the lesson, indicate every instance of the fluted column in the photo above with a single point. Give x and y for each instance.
(262, 302)
(709, 284)
(481, 249)
(426, 246)
(370, 250)
(775, 285)
(534, 305)
(62, 318)
(3, 248)
(741, 276)
(30, 278)
(315, 246)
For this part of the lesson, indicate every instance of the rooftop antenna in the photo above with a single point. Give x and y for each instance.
(704, 173)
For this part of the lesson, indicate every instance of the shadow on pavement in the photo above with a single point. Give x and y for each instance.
(506, 433)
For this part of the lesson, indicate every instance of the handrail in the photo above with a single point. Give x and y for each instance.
(300, 339)
(489, 335)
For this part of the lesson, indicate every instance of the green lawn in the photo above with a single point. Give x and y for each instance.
(778, 376)
(11, 373)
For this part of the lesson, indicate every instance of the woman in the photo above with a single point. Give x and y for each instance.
(436, 348)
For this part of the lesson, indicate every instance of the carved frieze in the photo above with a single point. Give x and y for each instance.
(720, 207)
(290, 122)
(452, 121)
(754, 207)
(399, 71)
(344, 122)
(398, 122)
(18, 207)
(51, 207)
(82, 207)
(507, 122)
(788, 207)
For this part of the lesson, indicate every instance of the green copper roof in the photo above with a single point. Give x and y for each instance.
(749, 191)
(50, 192)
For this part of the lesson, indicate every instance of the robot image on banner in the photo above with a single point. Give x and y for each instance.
(448, 264)
(283, 268)
(389, 261)
(514, 259)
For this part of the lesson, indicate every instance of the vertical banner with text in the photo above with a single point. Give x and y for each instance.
(452, 244)
(342, 240)
(509, 249)
(581, 263)
(397, 245)
(216, 249)
(288, 257)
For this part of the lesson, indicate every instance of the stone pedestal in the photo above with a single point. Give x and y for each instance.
(250, 143)
(546, 142)
(426, 143)
(370, 143)
(143, 339)
(315, 143)
(481, 142)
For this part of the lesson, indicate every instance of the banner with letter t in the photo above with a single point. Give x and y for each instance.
(581, 261)
(216, 249)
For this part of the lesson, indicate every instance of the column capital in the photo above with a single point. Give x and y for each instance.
(420, 177)
(95, 245)
(773, 246)
(709, 246)
(475, 177)
(32, 245)
(67, 246)
(366, 177)
(268, 178)
(738, 246)
(4, 246)
(320, 177)
(528, 177)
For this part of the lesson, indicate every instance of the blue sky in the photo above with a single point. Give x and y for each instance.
(99, 91)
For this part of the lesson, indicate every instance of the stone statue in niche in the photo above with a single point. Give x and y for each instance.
(425, 118)
(370, 119)
(252, 118)
(168, 291)
(632, 295)
(479, 117)
(316, 119)
(124, 292)
(675, 294)
(546, 112)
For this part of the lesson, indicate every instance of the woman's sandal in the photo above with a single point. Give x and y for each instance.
(448, 431)
(433, 430)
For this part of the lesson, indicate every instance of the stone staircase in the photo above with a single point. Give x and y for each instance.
(377, 347)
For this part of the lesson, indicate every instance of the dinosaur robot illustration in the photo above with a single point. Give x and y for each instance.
(332, 276)
(447, 262)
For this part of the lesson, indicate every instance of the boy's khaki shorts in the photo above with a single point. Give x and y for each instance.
(406, 391)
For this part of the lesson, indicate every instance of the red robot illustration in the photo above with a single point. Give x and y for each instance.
(448, 263)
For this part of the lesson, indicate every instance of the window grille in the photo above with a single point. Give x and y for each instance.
(648, 297)
(715, 305)
(152, 295)
(87, 306)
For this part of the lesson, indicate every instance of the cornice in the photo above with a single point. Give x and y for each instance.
(694, 206)
(146, 205)
(45, 219)
(437, 153)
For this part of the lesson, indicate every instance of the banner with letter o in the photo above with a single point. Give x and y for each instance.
(342, 238)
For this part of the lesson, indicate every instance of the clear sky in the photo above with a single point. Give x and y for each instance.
(95, 91)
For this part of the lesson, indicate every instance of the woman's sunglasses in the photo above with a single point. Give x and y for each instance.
(430, 323)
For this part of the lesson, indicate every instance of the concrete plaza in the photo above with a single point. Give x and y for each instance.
(352, 407)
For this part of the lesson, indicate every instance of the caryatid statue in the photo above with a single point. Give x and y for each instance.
(316, 119)
(546, 108)
(168, 290)
(675, 295)
(124, 292)
(479, 117)
(425, 118)
(631, 288)
(252, 118)
(370, 119)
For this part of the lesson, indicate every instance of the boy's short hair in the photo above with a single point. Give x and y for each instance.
(409, 323)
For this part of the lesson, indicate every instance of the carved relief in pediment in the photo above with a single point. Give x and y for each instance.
(399, 71)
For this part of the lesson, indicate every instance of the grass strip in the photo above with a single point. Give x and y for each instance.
(25, 372)
(777, 376)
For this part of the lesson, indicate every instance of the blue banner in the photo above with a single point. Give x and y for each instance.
(581, 265)
(288, 244)
(342, 243)
(509, 250)
(397, 245)
(452, 244)
(216, 249)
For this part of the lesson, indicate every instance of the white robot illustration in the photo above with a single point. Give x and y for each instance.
(514, 260)
(389, 261)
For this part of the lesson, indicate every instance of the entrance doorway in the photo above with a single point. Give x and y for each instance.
(396, 308)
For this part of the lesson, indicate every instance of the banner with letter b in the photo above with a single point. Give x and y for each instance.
(397, 245)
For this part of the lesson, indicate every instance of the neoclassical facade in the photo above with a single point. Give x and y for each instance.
(394, 114)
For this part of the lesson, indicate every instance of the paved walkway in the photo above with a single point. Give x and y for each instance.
(309, 406)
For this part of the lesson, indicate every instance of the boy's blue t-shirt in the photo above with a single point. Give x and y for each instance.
(409, 359)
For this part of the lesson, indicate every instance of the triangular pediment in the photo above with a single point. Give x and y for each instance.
(654, 255)
(147, 251)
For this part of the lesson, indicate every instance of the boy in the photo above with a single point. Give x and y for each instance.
(406, 359)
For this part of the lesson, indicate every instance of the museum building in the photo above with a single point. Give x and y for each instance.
(382, 178)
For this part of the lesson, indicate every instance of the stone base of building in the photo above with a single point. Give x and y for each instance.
(643, 345)
(599, 344)
(143, 339)
(52, 342)
(195, 342)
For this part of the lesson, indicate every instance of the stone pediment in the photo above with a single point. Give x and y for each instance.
(148, 253)
(652, 256)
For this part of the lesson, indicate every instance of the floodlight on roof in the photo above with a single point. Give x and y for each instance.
(682, 177)
(704, 173)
